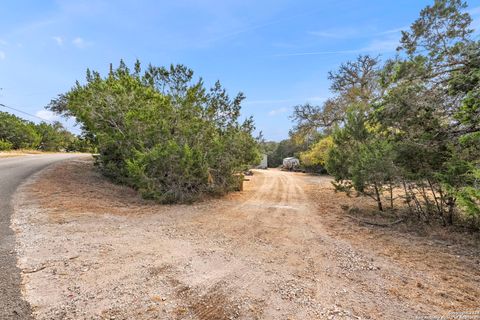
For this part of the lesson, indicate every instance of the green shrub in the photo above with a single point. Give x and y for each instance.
(161, 132)
(5, 145)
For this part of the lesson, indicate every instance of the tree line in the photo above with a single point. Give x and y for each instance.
(162, 132)
(407, 128)
(17, 133)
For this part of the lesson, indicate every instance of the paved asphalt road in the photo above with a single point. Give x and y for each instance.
(13, 171)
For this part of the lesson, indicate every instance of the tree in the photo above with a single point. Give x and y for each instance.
(361, 159)
(354, 83)
(17, 132)
(413, 122)
(316, 156)
(162, 133)
(54, 137)
(284, 149)
(431, 106)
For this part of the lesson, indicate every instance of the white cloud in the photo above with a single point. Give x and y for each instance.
(355, 33)
(81, 43)
(47, 115)
(2, 55)
(393, 31)
(376, 46)
(336, 33)
(254, 27)
(58, 40)
(381, 46)
(34, 26)
(278, 111)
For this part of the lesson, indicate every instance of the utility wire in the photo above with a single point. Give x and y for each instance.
(31, 115)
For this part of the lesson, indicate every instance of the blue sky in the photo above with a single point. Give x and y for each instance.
(277, 52)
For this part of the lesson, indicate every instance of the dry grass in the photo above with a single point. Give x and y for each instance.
(24, 152)
(442, 265)
(18, 153)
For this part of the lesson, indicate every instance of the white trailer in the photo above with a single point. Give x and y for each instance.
(291, 163)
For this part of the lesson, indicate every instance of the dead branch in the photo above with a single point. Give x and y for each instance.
(34, 270)
(374, 223)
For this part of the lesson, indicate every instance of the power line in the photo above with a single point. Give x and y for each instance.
(31, 115)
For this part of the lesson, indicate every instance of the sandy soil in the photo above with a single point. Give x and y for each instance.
(281, 249)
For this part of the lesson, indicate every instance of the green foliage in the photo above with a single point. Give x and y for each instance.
(360, 158)
(54, 137)
(318, 153)
(267, 147)
(18, 132)
(469, 199)
(81, 144)
(412, 124)
(163, 133)
(284, 149)
(5, 145)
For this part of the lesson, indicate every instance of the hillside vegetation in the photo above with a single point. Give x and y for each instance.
(17, 133)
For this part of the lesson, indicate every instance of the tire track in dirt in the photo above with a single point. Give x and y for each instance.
(263, 219)
(273, 251)
(216, 300)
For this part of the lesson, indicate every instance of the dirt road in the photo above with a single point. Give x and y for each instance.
(12, 172)
(281, 249)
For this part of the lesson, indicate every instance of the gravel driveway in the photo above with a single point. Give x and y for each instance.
(280, 249)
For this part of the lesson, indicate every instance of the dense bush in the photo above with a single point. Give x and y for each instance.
(161, 132)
